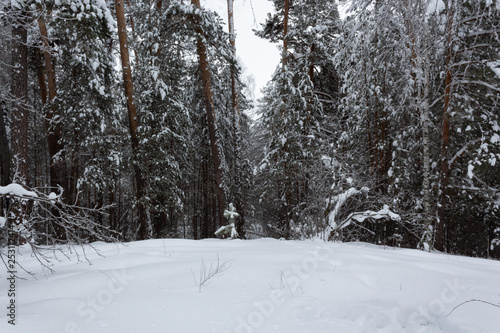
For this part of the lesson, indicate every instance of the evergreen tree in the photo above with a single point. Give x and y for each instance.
(292, 111)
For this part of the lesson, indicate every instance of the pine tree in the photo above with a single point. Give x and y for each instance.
(145, 230)
(292, 111)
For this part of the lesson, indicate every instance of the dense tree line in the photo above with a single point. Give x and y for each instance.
(153, 140)
(380, 125)
(383, 126)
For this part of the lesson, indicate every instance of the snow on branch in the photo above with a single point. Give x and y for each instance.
(360, 217)
(462, 151)
(384, 213)
(17, 191)
(495, 67)
(340, 201)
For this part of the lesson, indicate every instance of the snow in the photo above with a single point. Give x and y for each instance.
(340, 200)
(227, 231)
(270, 286)
(53, 197)
(495, 138)
(435, 7)
(383, 213)
(107, 14)
(495, 67)
(231, 213)
(3, 220)
(16, 190)
(470, 172)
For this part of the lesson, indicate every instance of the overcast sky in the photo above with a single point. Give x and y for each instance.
(257, 55)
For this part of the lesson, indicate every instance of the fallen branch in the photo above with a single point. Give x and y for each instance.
(472, 300)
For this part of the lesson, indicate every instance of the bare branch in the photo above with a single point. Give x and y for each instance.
(208, 273)
(472, 300)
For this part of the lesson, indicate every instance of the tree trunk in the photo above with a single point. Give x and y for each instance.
(53, 130)
(420, 63)
(285, 33)
(145, 229)
(209, 106)
(41, 80)
(426, 122)
(237, 129)
(19, 130)
(4, 151)
(19, 127)
(4, 158)
(285, 209)
(232, 40)
(445, 140)
(426, 156)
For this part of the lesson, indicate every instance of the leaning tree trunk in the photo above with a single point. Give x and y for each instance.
(145, 230)
(209, 106)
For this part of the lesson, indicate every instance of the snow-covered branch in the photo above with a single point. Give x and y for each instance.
(462, 151)
(384, 213)
(485, 84)
(46, 222)
(340, 201)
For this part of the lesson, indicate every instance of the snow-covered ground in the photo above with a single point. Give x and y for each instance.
(270, 286)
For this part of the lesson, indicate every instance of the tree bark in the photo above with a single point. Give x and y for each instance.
(145, 229)
(209, 106)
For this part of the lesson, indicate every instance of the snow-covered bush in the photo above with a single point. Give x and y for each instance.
(229, 231)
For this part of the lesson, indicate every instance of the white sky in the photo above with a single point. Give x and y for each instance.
(257, 55)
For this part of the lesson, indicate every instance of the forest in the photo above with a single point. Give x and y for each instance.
(129, 120)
